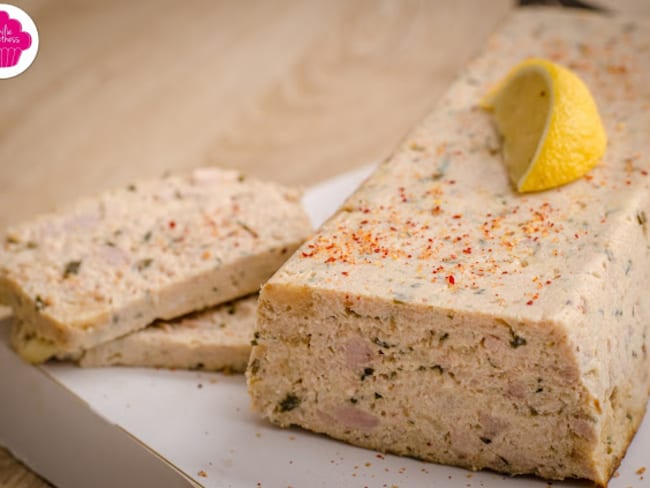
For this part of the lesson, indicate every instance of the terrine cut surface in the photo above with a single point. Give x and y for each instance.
(443, 316)
(215, 339)
(158, 249)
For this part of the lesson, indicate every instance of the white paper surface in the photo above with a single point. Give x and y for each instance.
(202, 424)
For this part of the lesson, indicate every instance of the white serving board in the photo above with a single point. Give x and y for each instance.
(201, 425)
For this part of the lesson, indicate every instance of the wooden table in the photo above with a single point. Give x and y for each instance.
(290, 90)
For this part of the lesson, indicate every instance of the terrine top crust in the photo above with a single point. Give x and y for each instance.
(439, 224)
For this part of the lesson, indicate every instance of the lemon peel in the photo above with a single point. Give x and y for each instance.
(552, 131)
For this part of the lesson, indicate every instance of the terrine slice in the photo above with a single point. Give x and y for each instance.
(215, 339)
(158, 249)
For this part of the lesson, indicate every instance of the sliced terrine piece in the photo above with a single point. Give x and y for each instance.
(440, 315)
(159, 249)
(215, 339)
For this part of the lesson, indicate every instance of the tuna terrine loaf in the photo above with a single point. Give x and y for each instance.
(443, 316)
(215, 339)
(159, 249)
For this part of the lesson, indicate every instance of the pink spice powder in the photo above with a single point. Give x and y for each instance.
(13, 41)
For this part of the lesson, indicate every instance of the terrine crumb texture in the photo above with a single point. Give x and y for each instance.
(157, 249)
(442, 316)
(215, 339)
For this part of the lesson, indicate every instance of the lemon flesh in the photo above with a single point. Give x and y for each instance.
(552, 132)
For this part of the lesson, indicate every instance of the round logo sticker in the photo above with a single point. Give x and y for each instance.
(18, 41)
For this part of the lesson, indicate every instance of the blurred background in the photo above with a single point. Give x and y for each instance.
(290, 90)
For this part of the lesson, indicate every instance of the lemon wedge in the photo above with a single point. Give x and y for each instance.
(552, 132)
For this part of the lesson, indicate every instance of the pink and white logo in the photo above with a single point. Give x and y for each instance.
(13, 41)
(18, 41)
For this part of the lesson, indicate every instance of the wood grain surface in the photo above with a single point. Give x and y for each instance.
(15, 474)
(290, 90)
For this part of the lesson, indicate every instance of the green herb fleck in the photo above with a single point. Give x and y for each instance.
(367, 372)
(146, 237)
(628, 267)
(255, 366)
(441, 170)
(131, 188)
(241, 178)
(143, 264)
(71, 268)
(381, 343)
(232, 309)
(349, 311)
(247, 228)
(31, 245)
(255, 337)
(517, 341)
(39, 303)
(641, 218)
(289, 402)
